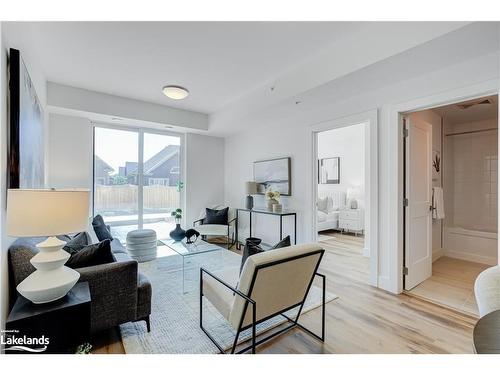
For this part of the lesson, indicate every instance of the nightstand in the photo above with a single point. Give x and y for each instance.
(65, 322)
(352, 220)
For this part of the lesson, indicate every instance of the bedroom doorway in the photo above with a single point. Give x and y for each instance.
(345, 190)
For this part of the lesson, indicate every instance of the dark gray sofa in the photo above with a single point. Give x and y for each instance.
(118, 291)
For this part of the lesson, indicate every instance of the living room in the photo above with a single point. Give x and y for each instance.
(153, 169)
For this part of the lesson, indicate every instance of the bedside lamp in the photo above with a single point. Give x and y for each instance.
(251, 188)
(33, 213)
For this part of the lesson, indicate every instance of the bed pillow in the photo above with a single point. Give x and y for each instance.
(323, 204)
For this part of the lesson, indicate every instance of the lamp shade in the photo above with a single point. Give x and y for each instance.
(251, 187)
(32, 213)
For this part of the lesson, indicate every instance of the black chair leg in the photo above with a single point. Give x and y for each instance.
(148, 323)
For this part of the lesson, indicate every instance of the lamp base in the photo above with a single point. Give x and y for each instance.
(51, 280)
(249, 202)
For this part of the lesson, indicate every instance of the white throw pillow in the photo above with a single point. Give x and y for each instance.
(323, 204)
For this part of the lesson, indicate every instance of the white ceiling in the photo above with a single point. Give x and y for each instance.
(217, 61)
(455, 115)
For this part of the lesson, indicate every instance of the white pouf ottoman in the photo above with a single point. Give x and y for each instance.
(141, 244)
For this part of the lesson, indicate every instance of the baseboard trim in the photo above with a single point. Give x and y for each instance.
(491, 261)
(436, 254)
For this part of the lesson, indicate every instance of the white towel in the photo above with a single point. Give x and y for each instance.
(437, 203)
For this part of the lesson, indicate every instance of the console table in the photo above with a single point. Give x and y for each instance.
(265, 211)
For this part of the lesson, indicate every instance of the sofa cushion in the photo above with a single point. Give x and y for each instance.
(91, 255)
(100, 229)
(117, 246)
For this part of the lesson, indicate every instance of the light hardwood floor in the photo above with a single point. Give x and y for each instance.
(452, 284)
(364, 319)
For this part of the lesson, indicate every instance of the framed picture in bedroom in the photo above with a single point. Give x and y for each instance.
(26, 154)
(329, 171)
(273, 174)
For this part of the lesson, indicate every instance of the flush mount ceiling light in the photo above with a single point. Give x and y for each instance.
(175, 92)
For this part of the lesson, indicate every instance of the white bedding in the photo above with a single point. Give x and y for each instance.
(332, 216)
(327, 221)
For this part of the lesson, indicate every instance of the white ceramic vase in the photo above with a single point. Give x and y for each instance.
(270, 203)
(51, 280)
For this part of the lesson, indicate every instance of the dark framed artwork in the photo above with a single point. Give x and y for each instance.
(273, 174)
(329, 171)
(26, 128)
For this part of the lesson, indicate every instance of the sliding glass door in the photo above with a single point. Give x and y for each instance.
(161, 171)
(137, 179)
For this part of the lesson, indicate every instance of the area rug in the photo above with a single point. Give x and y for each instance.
(175, 315)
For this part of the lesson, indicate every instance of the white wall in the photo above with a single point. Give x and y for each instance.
(12, 37)
(70, 152)
(348, 143)
(383, 86)
(471, 166)
(204, 174)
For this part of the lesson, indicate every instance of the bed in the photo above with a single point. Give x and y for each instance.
(328, 210)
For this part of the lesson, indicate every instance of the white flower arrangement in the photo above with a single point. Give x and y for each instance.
(273, 195)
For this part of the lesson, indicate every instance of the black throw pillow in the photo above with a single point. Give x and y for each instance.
(76, 243)
(252, 248)
(92, 255)
(216, 216)
(285, 242)
(100, 229)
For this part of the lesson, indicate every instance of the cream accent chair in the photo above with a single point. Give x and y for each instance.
(220, 230)
(270, 284)
(487, 290)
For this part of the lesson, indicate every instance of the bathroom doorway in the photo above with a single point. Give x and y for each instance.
(451, 201)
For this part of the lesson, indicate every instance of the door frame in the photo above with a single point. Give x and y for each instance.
(370, 118)
(396, 162)
(140, 132)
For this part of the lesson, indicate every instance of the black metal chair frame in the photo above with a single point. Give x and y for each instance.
(230, 242)
(248, 301)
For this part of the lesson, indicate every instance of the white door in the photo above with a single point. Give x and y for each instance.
(418, 238)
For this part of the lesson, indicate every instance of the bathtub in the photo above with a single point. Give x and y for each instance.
(472, 245)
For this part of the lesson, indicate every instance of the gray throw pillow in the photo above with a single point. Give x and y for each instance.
(76, 243)
(100, 229)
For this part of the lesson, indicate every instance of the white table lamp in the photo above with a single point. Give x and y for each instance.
(33, 213)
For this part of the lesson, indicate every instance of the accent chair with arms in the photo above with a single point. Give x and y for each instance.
(226, 229)
(487, 290)
(271, 283)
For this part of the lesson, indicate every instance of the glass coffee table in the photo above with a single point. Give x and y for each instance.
(188, 251)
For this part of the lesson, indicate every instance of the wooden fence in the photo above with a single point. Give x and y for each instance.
(124, 197)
